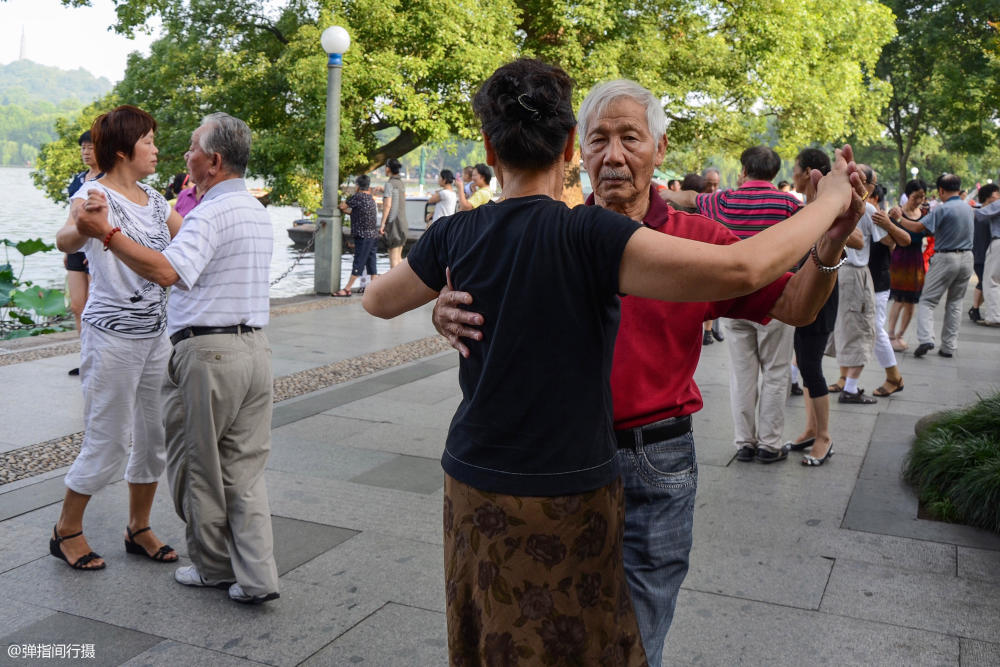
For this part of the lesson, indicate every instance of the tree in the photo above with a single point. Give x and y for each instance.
(944, 68)
(727, 70)
(411, 69)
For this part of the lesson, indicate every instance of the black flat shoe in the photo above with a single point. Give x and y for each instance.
(796, 390)
(133, 547)
(765, 455)
(80, 563)
(812, 461)
(798, 446)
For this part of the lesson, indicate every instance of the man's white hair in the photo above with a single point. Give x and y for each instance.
(604, 94)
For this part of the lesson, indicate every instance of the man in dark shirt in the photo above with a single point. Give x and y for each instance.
(657, 349)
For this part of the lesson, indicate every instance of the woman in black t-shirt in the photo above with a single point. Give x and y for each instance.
(533, 508)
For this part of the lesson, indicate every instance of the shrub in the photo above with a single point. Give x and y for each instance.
(955, 465)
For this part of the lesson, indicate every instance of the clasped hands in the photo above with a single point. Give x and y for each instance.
(845, 186)
(92, 216)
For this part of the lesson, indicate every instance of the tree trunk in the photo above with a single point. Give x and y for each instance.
(401, 145)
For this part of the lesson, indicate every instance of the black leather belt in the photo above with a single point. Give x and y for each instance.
(191, 332)
(956, 250)
(656, 432)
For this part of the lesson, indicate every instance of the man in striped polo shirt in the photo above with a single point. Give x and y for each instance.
(755, 350)
(218, 387)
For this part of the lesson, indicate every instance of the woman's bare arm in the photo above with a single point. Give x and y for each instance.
(174, 223)
(68, 239)
(396, 292)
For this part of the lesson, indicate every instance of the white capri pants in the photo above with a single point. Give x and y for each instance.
(884, 354)
(122, 405)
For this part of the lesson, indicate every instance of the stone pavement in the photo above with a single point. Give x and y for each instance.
(791, 566)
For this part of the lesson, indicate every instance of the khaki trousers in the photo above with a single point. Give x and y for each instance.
(854, 331)
(218, 427)
(758, 353)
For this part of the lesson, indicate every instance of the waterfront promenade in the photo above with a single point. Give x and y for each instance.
(791, 565)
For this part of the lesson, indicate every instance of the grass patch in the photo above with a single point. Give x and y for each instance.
(955, 466)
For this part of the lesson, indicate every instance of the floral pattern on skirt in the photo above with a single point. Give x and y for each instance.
(537, 580)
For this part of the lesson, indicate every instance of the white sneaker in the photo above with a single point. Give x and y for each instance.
(237, 594)
(189, 576)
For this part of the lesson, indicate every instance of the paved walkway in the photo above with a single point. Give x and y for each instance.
(791, 566)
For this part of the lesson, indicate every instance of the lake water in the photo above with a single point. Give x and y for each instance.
(25, 213)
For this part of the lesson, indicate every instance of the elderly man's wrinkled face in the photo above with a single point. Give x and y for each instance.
(198, 162)
(619, 153)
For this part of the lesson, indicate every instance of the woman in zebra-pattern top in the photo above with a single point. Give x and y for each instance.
(123, 343)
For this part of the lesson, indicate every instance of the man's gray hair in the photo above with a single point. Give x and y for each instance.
(709, 170)
(604, 94)
(229, 137)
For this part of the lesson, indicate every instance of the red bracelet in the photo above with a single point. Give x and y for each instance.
(107, 239)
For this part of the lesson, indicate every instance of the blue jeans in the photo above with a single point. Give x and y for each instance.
(660, 482)
(364, 256)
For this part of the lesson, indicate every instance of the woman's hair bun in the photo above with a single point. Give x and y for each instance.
(526, 111)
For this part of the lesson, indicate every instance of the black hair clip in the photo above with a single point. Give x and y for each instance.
(535, 113)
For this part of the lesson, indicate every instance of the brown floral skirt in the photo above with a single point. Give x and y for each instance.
(537, 580)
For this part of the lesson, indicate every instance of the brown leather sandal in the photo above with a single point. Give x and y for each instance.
(889, 387)
(837, 387)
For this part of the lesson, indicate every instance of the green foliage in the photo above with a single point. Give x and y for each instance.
(944, 68)
(955, 464)
(731, 72)
(25, 309)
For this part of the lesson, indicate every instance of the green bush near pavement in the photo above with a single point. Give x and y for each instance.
(955, 465)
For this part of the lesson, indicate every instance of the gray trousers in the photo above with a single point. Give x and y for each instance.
(991, 284)
(758, 353)
(949, 275)
(218, 427)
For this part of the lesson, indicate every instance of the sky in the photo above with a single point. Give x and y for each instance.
(66, 37)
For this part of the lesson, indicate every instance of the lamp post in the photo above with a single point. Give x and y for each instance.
(914, 171)
(326, 275)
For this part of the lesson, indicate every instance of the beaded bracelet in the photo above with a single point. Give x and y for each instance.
(823, 267)
(115, 230)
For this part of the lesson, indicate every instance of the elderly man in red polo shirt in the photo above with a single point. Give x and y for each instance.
(622, 131)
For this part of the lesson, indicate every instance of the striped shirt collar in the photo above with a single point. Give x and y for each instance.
(235, 184)
(757, 185)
